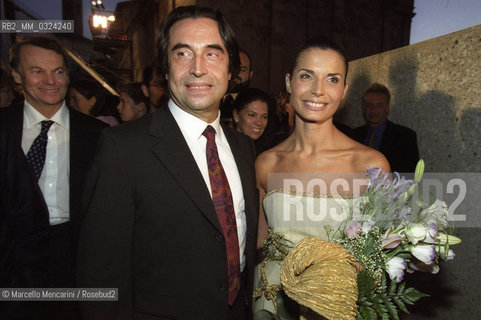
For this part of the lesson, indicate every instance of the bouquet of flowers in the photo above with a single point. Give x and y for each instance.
(387, 233)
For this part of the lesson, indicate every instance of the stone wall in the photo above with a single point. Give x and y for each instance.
(270, 30)
(436, 90)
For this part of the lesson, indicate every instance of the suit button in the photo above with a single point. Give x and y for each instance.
(219, 238)
(223, 288)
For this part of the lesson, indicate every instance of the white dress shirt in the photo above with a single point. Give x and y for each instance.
(54, 179)
(192, 129)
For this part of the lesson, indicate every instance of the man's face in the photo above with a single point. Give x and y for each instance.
(43, 76)
(198, 67)
(156, 91)
(375, 108)
(245, 73)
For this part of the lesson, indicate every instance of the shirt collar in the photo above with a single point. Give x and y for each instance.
(192, 126)
(379, 129)
(32, 117)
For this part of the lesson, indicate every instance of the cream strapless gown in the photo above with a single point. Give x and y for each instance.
(298, 217)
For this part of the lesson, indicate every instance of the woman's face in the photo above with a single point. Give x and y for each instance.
(128, 110)
(79, 102)
(317, 84)
(252, 119)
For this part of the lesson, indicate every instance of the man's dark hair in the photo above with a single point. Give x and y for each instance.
(378, 88)
(134, 91)
(193, 12)
(251, 67)
(148, 75)
(323, 43)
(41, 42)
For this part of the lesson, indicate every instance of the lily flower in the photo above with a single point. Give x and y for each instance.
(441, 250)
(424, 252)
(418, 172)
(446, 238)
(420, 266)
(391, 241)
(395, 268)
(432, 234)
(436, 213)
(415, 232)
(353, 229)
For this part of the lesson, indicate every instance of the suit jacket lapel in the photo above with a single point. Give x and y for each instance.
(15, 129)
(17, 124)
(386, 137)
(173, 151)
(76, 159)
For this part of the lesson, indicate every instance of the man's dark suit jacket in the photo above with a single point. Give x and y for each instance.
(398, 144)
(151, 229)
(25, 234)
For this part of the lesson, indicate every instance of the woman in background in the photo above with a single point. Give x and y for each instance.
(133, 103)
(285, 116)
(88, 97)
(251, 114)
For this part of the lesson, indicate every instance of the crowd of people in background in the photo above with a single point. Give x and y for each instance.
(267, 127)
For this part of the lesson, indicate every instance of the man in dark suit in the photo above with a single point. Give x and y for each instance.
(40, 190)
(397, 143)
(152, 228)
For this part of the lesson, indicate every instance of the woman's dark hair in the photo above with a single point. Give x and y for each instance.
(323, 43)
(249, 95)
(193, 12)
(89, 89)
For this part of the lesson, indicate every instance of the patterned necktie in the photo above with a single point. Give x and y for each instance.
(222, 198)
(36, 154)
(371, 140)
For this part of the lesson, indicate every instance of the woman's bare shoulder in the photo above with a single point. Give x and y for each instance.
(367, 158)
(267, 160)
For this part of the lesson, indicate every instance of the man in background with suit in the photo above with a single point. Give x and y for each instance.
(154, 88)
(397, 143)
(171, 201)
(45, 149)
(237, 83)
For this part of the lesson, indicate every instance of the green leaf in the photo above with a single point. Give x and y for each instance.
(365, 284)
(391, 307)
(399, 302)
(414, 295)
(367, 313)
(400, 289)
(392, 288)
(380, 308)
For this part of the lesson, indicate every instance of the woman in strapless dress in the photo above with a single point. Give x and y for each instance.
(287, 173)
